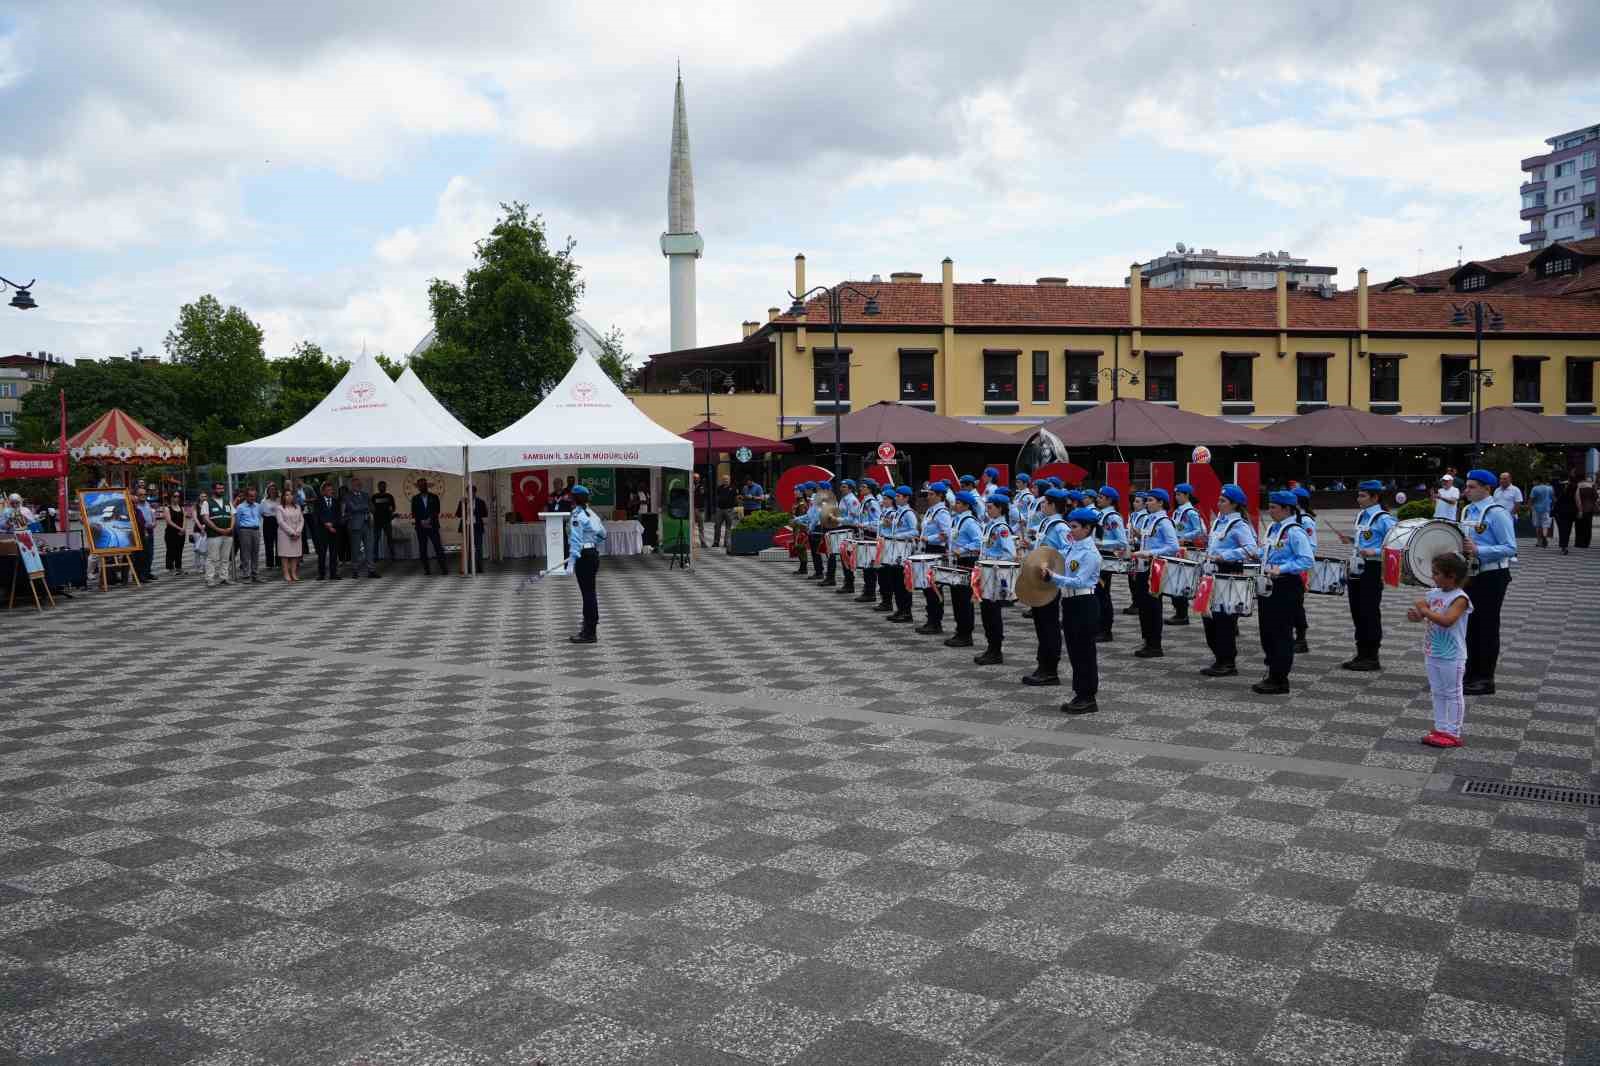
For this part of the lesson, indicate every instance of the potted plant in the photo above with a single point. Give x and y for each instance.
(753, 534)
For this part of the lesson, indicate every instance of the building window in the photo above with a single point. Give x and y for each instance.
(1564, 219)
(1161, 378)
(1041, 377)
(1455, 379)
(1588, 186)
(822, 360)
(5, 418)
(1525, 380)
(1588, 160)
(1536, 174)
(1474, 281)
(1385, 380)
(1083, 378)
(1238, 379)
(1565, 194)
(1565, 168)
(1533, 199)
(1000, 377)
(1557, 265)
(1311, 380)
(916, 377)
(8, 391)
(1580, 381)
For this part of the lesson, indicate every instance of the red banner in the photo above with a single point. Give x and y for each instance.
(1392, 562)
(977, 583)
(1207, 489)
(1071, 474)
(1162, 477)
(1118, 477)
(1202, 595)
(32, 464)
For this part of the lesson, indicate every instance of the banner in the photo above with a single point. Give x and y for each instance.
(1393, 560)
(530, 493)
(602, 483)
(1202, 595)
(31, 464)
(1158, 570)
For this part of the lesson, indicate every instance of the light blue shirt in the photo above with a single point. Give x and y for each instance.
(967, 535)
(1161, 536)
(1053, 531)
(1288, 547)
(1112, 533)
(247, 516)
(850, 510)
(936, 526)
(1542, 498)
(1083, 564)
(812, 516)
(871, 513)
(1232, 538)
(905, 522)
(1309, 524)
(1188, 521)
(1372, 526)
(1490, 527)
(584, 530)
(997, 542)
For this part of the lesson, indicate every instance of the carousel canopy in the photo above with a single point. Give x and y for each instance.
(1140, 423)
(728, 440)
(118, 437)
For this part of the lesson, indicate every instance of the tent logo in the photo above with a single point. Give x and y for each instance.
(583, 391)
(362, 392)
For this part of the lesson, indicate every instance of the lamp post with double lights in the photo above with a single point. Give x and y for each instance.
(705, 377)
(835, 298)
(23, 300)
(1481, 316)
(1115, 374)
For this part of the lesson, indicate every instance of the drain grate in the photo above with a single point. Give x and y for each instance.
(1530, 793)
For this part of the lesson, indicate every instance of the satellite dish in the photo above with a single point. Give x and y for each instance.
(1041, 449)
(1181, 248)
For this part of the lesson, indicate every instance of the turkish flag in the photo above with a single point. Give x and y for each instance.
(1202, 595)
(977, 583)
(1158, 567)
(1392, 563)
(911, 582)
(847, 555)
(1305, 578)
(877, 556)
(530, 493)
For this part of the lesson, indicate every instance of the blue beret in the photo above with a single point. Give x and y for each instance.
(990, 472)
(849, 482)
(1301, 492)
(968, 497)
(1284, 498)
(1110, 492)
(1023, 479)
(1000, 494)
(968, 479)
(1184, 487)
(1058, 495)
(580, 490)
(1371, 486)
(905, 490)
(1086, 516)
(1483, 477)
(870, 482)
(937, 486)
(1236, 494)
(1160, 494)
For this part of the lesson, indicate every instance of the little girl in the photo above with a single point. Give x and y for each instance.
(1445, 609)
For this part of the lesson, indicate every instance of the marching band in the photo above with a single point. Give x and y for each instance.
(1056, 549)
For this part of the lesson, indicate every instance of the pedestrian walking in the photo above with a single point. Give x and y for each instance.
(1588, 504)
(1541, 502)
(1566, 510)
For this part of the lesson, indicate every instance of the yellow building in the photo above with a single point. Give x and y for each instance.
(19, 374)
(1017, 356)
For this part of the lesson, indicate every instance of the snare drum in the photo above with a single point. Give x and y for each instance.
(893, 552)
(1111, 563)
(834, 539)
(1233, 594)
(919, 570)
(1328, 576)
(997, 580)
(1417, 542)
(1179, 578)
(949, 574)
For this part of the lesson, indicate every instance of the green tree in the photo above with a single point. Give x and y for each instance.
(300, 381)
(227, 379)
(503, 338)
(393, 367)
(616, 360)
(150, 393)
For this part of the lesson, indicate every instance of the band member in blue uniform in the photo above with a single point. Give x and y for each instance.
(1113, 538)
(1138, 517)
(1231, 544)
(1047, 619)
(1191, 534)
(849, 518)
(867, 539)
(936, 523)
(966, 543)
(888, 576)
(1365, 582)
(1022, 503)
(1308, 522)
(1285, 556)
(803, 512)
(585, 534)
(1080, 615)
(1160, 541)
(1491, 540)
(998, 543)
(904, 529)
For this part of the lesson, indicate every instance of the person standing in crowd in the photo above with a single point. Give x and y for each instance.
(328, 514)
(887, 576)
(1287, 554)
(291, 536)
(849, 518)
(358, 523)
(803, 510)
(1232, 541)
(247, 535)
(198, 534)
(1564, 510)
(1446, 609)
(1365, 586)
(1137, 518)
(866, 538)
(1508, 496)
(727, 500)
(998, 544)
(936, 523)
(1160, 541)
(697, 505)
(480, 522)
(904, 529)
(1191, 534)
(269, 524)
(144, 512)
(585, 534)
(383, 509)
(1053, 533)
(172, 523)
(1080, 614)
(1308, 522)
(1492, 540)
(216, 517)
(343, 538)
(425, 516)
(1114, 539)
(1541, 501)
(1446, 498)
(1588, 504)
(966, 544)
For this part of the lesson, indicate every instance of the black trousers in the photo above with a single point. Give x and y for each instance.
(174, 549)
(586, 569)
(994, 623)
(327, 553)
(1080, 620)
(888, 578)
(1487, 591)
(1585, 529)
(934, 605)
(1366, 608)
(1300, 623)
(961, 600)
(269, 539)
(1275, 615)
(1180, 608)
(802, 544)
(1222, 630)
(426, 537)
(816, 553)
(1047, 629)
(1149, 605)
(146, 557)
(895, 576)
(1564, 532)
(382, 532)
(1102, 598)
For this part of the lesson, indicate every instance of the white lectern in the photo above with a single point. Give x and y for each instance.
(555, 541)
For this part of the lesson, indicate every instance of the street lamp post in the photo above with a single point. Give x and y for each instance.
(1482, 316)
(1116, 374)
(23, 300)
(835, 296)
(705, 376)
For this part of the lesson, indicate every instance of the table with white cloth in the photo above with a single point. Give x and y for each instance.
(525, 540)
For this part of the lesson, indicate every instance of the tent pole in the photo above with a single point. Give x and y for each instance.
(466, 513)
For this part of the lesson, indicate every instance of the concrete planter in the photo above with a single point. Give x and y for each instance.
(749, 543)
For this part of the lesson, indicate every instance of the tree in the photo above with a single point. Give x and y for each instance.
(227, 371)
(503, 338)
(393, 367)
(614, 359)
(300, 381)
(150, 393)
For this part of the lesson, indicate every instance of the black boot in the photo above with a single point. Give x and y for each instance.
(1220, 670)
(1040, 677)
(959, 641)
(991, 657)
(1080, 705)
(587, 636)
(1271, 686)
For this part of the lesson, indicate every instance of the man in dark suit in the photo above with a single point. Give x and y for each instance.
(480, 513)
(328, 516)
(425, 513)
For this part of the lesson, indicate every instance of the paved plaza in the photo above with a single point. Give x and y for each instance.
(405, 822)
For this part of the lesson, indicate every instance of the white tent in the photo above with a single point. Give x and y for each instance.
(584, 420)
(366, 421)
(429, 404)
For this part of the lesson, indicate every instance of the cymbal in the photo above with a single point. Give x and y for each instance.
(1032, 589)
(830, 516)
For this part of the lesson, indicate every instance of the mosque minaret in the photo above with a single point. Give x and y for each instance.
(680, 243)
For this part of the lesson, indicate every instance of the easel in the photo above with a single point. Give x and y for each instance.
(34, 582)
(121, 560)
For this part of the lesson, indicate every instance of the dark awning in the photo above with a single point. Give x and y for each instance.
(1513, 425)
(899, 424)
(728, 440)
(1345, 427)
(1140, 423)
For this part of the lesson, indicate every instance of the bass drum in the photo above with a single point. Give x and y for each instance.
(1415, 543)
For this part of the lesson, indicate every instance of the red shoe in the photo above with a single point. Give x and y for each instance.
(1437, 739)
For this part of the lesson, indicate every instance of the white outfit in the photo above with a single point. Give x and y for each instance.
(1509, 497)
(1445, 506)
(1445, 651)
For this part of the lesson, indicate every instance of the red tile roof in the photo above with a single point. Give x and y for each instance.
(1518, 278)
(1000, 306)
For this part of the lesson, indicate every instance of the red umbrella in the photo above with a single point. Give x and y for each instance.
(721, 439)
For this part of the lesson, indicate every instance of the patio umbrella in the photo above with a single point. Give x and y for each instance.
(721, 439)
(1346, 427)
(1141, 424)
(1514, 425)
(899, 424)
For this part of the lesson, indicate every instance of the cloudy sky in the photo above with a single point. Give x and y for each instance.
(318, 169)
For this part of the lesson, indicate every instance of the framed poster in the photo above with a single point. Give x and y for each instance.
(108, 516)
(28, 549)
(602, 483)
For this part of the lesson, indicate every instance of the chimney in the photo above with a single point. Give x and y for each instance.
(1283, 312)
(948, 293)
(988, 281)
(749, 327)
(772, 313)
(1050, 281)
(800, 287)
(1361, 310)
(906, 277)
(1136, 307)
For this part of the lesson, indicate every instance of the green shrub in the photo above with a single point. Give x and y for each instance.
(763, 522)
(1422, 508)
